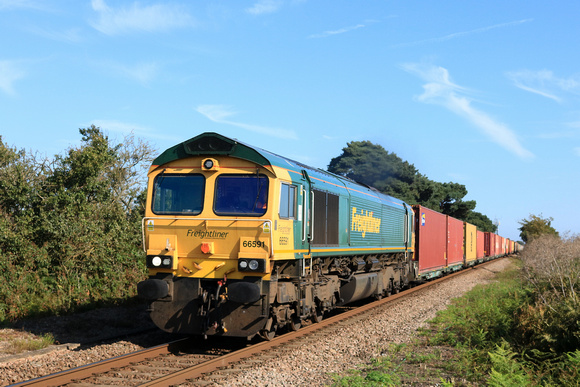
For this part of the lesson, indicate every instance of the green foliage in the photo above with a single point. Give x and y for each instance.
(483, 316)
(506, 371)
(20, 345)
(536, 226)
(372, 165)
(70, 227)
(378, 373)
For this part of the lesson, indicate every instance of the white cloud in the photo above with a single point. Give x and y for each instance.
(545, 83)
(440, 90)
(9, 73)
(220, 114)
(137, 17)
(577, 151)
(337, 32)
(265, 6)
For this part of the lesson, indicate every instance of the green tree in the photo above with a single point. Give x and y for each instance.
(370, 164)
(535, 226)
(482, 222)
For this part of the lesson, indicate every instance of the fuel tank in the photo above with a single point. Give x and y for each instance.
(360, 286)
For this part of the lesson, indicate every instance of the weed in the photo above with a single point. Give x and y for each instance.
(30, 344)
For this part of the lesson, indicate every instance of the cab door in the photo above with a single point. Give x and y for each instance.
(306, 208)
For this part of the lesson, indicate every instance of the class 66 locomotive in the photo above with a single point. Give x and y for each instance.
(242, 242)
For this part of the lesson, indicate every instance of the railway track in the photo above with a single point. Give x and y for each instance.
(172, 363)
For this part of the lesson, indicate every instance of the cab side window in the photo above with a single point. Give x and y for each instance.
(288, 201)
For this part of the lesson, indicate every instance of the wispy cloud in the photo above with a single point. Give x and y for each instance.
(440, 90)
(462, 33)
(9, 74)
(14, 4)
(265, 6)
(545, 83)
(72, 35)
(137, 17)
(577, 151)
(220, 114)
(143, 73)
(326, 34)
(129, 128)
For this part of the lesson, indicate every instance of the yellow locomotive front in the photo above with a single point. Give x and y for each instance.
(207, 234)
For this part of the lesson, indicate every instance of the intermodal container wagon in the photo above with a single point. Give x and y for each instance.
(430, 241)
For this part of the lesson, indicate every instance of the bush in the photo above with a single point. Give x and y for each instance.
(70, 232)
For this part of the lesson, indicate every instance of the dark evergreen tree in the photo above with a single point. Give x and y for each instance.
(372, 165)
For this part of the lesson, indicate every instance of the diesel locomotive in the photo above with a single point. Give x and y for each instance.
(240, 241)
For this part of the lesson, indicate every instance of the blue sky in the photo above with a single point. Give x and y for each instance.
(486, 94)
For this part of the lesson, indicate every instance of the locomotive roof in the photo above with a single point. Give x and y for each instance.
(211, 143)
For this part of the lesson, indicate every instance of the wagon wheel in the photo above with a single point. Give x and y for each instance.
(317, 315)
(269, 334)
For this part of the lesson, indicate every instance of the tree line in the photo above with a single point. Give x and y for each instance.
(372, 165)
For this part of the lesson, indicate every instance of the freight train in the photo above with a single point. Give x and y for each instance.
(241, 242)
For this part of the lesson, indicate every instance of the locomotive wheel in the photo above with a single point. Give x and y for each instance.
(295, 323)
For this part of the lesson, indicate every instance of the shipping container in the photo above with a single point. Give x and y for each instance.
(430, 242)
(469, 243)
(454, 243)
(491, 245)
(480, 246)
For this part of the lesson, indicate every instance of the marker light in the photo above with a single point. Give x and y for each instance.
(253, 264)
(156, 261)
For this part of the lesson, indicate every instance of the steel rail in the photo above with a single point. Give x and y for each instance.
(88, 370)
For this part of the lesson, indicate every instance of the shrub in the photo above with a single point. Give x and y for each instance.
(552, 323)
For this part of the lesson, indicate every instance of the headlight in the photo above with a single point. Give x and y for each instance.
(257, 265)
(159, 261)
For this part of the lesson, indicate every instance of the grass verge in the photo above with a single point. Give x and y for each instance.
(476, 341)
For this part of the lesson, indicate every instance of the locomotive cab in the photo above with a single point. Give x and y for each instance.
(208, 238)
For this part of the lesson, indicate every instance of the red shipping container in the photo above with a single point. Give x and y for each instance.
(430, 240)
(490, 244)
(480, 245)
(454, 241)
